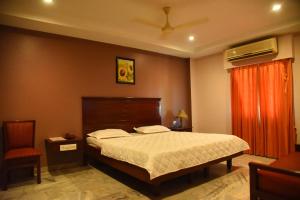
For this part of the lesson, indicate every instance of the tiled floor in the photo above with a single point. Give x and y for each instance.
(104, 183)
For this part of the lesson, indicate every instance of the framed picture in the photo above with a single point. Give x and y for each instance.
(125, 70)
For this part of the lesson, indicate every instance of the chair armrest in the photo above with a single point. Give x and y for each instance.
(255, 166)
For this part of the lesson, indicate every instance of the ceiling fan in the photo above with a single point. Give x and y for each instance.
(167, 27)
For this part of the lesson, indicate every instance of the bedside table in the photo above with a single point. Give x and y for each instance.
(64, 153)
(183, 129)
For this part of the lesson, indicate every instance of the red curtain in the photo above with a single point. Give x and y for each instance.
(244, 104)
(262, 107)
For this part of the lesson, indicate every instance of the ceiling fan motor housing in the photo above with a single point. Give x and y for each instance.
(167, 26)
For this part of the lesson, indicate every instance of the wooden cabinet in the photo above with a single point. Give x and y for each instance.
(64, 153)
(183, 129)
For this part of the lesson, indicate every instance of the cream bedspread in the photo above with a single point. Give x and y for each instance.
(167, 152)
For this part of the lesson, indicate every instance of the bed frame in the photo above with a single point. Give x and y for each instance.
(126, 113)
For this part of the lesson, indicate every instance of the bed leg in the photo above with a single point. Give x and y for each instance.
(205, 172)
(229, 164)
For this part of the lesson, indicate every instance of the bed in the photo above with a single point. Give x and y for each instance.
(126, 113)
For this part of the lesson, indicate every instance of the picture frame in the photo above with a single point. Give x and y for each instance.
(125, 70)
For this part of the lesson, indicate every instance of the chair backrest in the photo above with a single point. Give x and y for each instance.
(18, 134)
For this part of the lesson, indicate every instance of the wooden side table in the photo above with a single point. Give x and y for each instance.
(183, 129)
(64, 153)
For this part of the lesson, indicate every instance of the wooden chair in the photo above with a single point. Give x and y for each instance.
(19, 148)
(278, 181)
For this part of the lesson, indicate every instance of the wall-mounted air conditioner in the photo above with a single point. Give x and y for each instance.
(260, 48)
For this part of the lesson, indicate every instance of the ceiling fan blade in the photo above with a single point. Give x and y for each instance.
(192, 23)
(147, 23)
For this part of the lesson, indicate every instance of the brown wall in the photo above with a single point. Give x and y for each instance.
(43, 77)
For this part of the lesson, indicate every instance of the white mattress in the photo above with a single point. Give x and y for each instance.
(167, 152)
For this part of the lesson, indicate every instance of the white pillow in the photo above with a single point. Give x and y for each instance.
(109, 133)
(151, 129)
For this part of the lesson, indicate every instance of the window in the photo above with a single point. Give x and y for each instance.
(262, 107)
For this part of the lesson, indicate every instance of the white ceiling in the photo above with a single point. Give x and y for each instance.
(116, 21)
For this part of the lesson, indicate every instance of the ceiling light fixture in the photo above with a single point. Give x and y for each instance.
(276, 7)
(48, 1)
(191, 38)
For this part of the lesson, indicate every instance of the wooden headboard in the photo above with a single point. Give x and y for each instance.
(119, 112)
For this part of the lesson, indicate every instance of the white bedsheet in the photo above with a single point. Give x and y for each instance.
(167, 152)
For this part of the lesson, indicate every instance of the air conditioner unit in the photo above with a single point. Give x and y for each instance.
(260, 48)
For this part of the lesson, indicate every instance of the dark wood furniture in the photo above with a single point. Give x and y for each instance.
(63, 154)
(183, 129)
(126, 113)
(297, 147)
(278, 181)
(19, 151)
